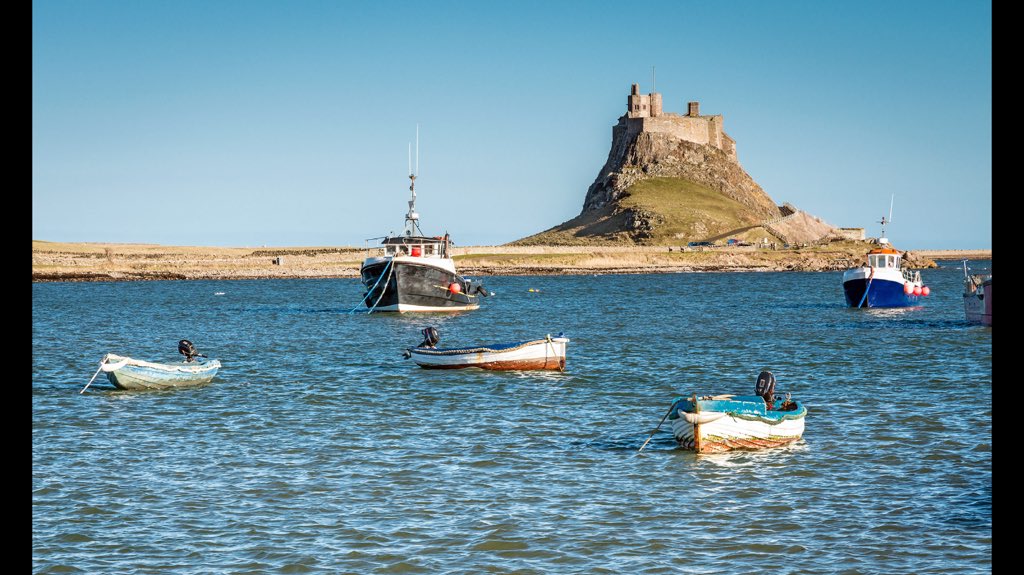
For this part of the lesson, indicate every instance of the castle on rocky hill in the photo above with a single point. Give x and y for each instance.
(644, 113)
(672, 178)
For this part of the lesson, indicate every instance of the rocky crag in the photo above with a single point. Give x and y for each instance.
(644, 155)
(702, 190)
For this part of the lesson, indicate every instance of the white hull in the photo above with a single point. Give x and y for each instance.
(539, 354)
(719, 431)
(128, 373)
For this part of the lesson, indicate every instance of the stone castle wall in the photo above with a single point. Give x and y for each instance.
(644, 114)
(704, 130)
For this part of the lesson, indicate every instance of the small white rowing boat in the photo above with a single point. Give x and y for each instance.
(546, 353)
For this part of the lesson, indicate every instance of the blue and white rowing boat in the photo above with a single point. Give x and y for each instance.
(716, 423)
(134, 374)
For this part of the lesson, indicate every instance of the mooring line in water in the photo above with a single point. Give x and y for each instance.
(102, 361)
(383, 289)
(659, 424)
(369, 291)
(871, 278)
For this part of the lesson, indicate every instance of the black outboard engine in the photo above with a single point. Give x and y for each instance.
(430, 337)
(765, 387)
(475, 288)
(188, 350)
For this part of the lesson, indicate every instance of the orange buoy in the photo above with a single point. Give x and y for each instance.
(454, 287)
(926, 290)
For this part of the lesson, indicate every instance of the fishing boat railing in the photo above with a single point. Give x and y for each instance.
(912, 276)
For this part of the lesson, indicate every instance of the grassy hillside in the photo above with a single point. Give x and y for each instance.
(678, 211)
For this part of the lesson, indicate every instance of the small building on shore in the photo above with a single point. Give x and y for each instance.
(851, 233)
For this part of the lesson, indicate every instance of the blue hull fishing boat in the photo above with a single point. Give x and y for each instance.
(883, 281)
(134, 374)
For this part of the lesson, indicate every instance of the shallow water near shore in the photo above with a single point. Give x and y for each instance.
(318, 448)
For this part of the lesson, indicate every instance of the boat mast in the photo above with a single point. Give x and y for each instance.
(883, 239)
(412, 226)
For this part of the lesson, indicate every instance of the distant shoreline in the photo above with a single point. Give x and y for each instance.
(955, 254)
(87, 262)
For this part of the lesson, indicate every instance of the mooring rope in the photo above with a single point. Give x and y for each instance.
(383, 289)
(369, 291)
(871, 278)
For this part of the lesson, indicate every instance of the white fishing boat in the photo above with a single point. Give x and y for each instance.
(545, 353)
(977, 297)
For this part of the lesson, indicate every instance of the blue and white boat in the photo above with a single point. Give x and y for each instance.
(883, 281)
(716, 423)
(135, 374)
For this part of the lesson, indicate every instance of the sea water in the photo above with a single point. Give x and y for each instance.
(319, 449)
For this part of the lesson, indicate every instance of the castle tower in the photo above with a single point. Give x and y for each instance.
(694, 110)
(643, 106)
(655, 104)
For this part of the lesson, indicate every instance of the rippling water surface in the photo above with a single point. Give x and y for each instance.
(318, 448)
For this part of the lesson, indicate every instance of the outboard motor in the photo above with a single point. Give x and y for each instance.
(765, 387)
(188, 350)
(476, 288)
(430, 337)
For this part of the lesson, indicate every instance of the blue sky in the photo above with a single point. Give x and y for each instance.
(245, 123)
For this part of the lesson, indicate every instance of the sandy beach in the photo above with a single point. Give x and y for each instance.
(54, 261)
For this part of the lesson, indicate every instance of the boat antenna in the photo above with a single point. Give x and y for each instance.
(412, 225)
(883, 239)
